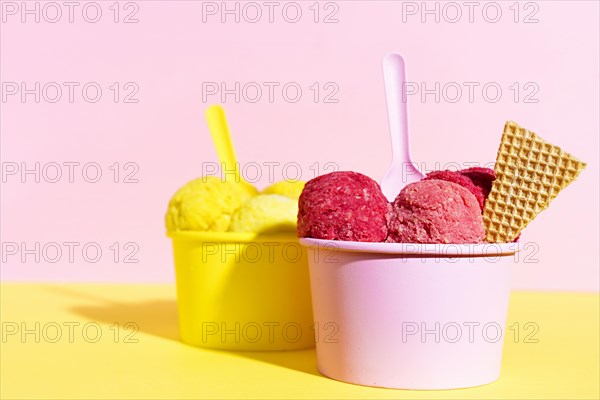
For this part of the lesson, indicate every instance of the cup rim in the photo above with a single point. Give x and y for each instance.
(230, 237)
(415, 249)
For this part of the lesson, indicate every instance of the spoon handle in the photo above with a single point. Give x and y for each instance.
(394, 75)
(217, 125)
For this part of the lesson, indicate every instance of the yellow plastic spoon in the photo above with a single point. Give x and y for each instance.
(217, 125)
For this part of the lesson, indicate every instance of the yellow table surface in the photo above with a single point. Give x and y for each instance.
(153, 363)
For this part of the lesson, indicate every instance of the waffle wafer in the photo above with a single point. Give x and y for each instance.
(530, 173)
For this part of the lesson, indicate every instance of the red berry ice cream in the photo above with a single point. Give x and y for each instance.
(476, 180)
(481, 177)
(445, 207)
(435, 211)
(343, 206)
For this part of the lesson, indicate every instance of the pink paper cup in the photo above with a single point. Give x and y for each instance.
(410, 316)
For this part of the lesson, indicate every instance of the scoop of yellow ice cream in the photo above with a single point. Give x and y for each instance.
(291, 189)
(266, 213)
(206, 204)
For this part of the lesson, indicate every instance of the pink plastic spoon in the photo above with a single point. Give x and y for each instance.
(402, 171)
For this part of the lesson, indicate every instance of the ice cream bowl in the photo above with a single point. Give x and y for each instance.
(243, 291)
(410, 316)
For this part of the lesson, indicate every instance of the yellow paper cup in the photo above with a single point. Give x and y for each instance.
(243, 291)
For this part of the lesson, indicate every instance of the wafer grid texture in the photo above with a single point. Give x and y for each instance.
(530, 173)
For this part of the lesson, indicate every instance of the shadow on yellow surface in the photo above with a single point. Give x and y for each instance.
(159, 318)
(299, 360)
(155, 317)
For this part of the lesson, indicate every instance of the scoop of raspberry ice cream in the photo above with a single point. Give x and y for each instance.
(476, 180)
(343, 206)
(481, 177)
(462, 180)
(435, 211)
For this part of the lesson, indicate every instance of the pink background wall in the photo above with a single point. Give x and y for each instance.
(170, 52)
